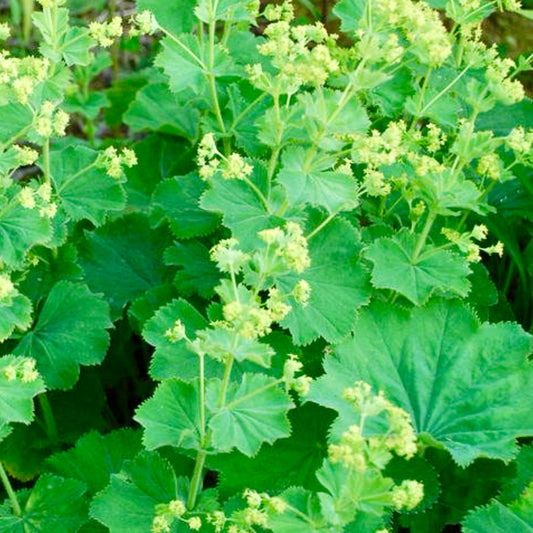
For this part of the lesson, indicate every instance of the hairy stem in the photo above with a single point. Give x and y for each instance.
(10, 492)
(197, 478)
(49, 420)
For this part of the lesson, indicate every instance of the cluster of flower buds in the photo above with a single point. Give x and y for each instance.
(357, 451)
(465, 242)
(114, 162)
(20, 368)
(211, 161)
(38, 197)
(105, 33)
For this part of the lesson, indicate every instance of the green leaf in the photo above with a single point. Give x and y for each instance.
(433, 270)
(233, 10)
(351, 490)
(322, 117)
(96, 457)
(339, 286)
(174, 359)
(76, 46)
(128, 504)
(241, 209)
(524, 474)
(184, 61)
(449, 193)
(445, 369)
(176, 16)
(171, 417)
(155, 108)
(419, 469)
(220, 343)
(255, 411)
(289, 461)
(503, 118)
(84, 191)
(350, 12)
(15, 313)
(198, 274)
(176, 200)
(16, 395)
(158, 158)
(307, 517)
(70, 331)
(499, 518)
(54, 504)
(128, 250)
(20, 230)
(312, 183)
(143, 307)
(16, 120)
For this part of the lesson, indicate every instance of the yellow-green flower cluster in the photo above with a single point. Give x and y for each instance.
(210, 160)
(465, 242)
(499, 80)
(113, 161)
(380, 148)
(301, 54)
(359, 452)
(299, 384)
(421, 26)
(40, 197)
(21, 75)
(25, 155)
(7, 289)
(289, 244)
(105, 33)
(23, 369)
(5, 31)
(228, 257)
(176, 332)
(50, 121)
(144, 23)
(407, 495)
(166, 514)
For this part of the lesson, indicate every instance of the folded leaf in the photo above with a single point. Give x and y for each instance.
(416, 279)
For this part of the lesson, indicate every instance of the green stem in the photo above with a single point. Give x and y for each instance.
(445, 90)
(322, 225)
(46, 161)
(10, 492)
(49, 420)
(225, 382)
(202, 396)
(197, 478)
(424, 235)
(211, 76)
(28, 7)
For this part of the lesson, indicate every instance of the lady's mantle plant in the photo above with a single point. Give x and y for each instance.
(299, 234)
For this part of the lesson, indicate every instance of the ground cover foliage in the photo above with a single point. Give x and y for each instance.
(260, 276)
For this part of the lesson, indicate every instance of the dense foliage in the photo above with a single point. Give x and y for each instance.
(259, 276)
